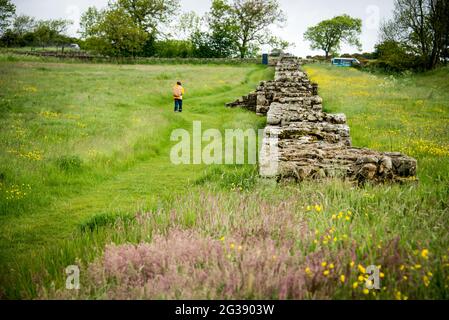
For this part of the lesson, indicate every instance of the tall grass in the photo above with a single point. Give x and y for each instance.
(275, 242)
(142, 228)
(73, 135)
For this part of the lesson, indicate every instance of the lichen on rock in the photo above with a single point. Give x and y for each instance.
(301, 141)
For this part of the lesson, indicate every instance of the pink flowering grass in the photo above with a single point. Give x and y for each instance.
(254, 246)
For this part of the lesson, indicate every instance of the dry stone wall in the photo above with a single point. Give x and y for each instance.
(301, 141)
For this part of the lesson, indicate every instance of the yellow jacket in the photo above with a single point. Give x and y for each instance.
(178, 91)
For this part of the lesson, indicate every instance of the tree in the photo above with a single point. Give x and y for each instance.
(212, 45)
(329, 34)
(7, 11)
(50, 31)
(189, 24)
(393, 56)
(421, 26)
(112, 32)
(220, 41)
(123, 24)
(252, 18)
(23, 24)
(244, 22)
(89, 22)
(148, 15)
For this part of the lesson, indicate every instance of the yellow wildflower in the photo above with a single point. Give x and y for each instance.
(342, 278)
(326, 273)
(308, 271)
(324, 264)
(355, 285)
(425, 254)
(426, 280)
(361, 269)
(365, 291)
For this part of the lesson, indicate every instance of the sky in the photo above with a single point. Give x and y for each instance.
(301, 14)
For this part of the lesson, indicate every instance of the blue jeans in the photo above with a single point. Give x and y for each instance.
(178, 105)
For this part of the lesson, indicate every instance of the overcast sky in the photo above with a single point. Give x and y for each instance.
(300, 13)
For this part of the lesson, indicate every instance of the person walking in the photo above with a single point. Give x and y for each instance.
(178, 92)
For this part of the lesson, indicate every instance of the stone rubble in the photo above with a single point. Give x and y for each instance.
(301, 141)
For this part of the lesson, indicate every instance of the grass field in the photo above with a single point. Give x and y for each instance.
(84, 173)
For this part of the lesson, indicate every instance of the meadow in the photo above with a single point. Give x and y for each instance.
(85, 179)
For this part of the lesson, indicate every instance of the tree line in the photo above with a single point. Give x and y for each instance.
(231, 28)
(141, 28)
(23, 30)
(417, 37)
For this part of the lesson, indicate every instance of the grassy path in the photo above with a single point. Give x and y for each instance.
(131, 129)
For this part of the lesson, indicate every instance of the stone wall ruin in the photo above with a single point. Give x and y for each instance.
(301, 141)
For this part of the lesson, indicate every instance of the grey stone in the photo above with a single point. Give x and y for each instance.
(303, 142)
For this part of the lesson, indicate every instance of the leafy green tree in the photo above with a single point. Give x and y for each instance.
(173, 49)
(421, 26)
(113, 33)
(220, 40)
(131, 26)
(23, 24)
(50, 31)
(212, 45)
(252, 18)
(244, 22)
(89, 22)
(148, 15)
(189, 23)
(7, 11)
(329, 34)
(393, 56)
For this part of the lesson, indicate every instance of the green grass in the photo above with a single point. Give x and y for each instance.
(81, 141)
(99, 142)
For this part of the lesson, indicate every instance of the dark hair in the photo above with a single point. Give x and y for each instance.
(179, 83)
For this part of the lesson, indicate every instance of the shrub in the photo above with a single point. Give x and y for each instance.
(393, 57)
